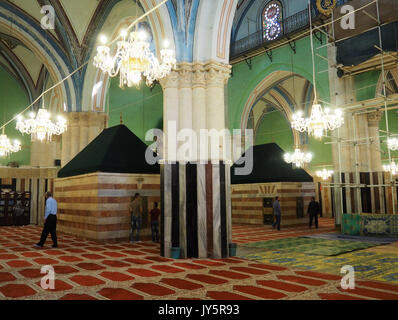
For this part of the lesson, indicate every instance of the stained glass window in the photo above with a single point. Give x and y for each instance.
(272, 21)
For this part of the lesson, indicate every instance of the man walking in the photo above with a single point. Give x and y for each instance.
(313, 211)
(277, 214)
(155, 213)
(50, 222)
(136, 216)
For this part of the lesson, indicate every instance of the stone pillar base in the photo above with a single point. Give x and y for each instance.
(196, 216)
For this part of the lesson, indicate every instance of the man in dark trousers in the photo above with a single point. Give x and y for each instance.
(313, 210)
(277, 214)
(136, 217)
(155, 213)
(50, 222)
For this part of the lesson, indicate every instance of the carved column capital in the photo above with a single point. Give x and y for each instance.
(171, 81)
(185, 75)
(374, 118)
(73, 118)
(217, 74)
(199, 76)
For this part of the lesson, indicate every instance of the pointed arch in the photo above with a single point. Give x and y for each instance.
(46, 48)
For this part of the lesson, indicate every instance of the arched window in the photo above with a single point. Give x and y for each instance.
(272, 21)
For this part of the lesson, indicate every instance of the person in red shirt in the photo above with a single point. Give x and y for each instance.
(155, 213)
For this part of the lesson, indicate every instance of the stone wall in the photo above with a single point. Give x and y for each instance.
(96, 206)
(247, 201)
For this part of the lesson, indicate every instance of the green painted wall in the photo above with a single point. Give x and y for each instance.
(275, 128)
(12, 101)
(142, 108)
(365, 85)
(244, 80)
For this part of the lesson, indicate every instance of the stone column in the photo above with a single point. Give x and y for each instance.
(43, 153)
(196, 213)
(84, 130)
(376, 169)
(216, 80)
(374, 138)
(35, 153)
(83, 127)
(65, 149)
(75, 133)
(171, 114)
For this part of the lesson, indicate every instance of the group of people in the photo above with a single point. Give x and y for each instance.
(314, 209)
(136, 209)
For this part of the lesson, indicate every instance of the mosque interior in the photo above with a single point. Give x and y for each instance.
(223, 114)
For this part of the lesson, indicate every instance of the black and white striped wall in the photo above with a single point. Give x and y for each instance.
(196, 209)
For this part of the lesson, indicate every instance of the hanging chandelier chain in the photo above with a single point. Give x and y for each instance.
(312, 53)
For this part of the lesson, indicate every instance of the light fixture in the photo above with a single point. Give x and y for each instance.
(392, 144)
(271, 20)
(393, 168)
(134, 60)
(41, 127)
(319, 122)
(7, 147)
(324, 174)
(299, 158)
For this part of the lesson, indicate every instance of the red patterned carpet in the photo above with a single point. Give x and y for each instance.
(254, 233)
(88, 270)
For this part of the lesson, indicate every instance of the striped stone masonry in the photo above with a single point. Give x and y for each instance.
(96, 206)
(196, 210)
(248, 201)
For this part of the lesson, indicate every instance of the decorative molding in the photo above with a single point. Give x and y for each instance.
(185, 75)
(374, 118)
(171, 81)
(199, 76)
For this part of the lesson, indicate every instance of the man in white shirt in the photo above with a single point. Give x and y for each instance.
(50, 222)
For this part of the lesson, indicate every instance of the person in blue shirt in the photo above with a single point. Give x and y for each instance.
(277, 214)
(50, 222)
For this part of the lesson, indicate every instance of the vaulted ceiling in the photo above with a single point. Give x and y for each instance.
(75, 32)
(287, 95)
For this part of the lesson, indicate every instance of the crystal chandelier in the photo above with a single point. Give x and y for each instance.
(324, 174)
(393, 168)
(299, 158)
(41, 126)
(392, 144)
(134, 60)
(319, 122)
(7, 147)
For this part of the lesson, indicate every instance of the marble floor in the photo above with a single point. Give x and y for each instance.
(89, 270)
